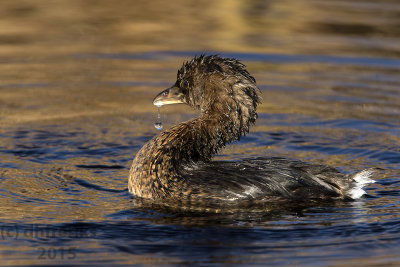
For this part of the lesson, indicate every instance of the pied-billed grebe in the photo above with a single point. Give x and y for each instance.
(175, 166)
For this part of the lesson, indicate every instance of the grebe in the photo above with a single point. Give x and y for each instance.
(175, 166)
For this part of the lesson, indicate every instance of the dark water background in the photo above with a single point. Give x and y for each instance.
(76, 83)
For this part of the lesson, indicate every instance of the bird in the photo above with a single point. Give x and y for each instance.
(176, 167)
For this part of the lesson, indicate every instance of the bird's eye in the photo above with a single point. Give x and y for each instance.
(185, 84)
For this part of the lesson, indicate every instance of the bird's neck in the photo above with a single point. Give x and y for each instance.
(199, 139)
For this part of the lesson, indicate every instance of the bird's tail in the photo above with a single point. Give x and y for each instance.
(361, 179)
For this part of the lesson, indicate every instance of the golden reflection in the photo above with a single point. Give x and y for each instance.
(47, 75)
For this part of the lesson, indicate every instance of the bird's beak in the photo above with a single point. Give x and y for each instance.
(172, 95)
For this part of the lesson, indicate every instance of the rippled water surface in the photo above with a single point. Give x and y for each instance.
(76, 83)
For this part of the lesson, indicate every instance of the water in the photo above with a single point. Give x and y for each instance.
(76, 85)
(158, 125)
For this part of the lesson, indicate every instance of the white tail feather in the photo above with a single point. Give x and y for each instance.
(362, 178)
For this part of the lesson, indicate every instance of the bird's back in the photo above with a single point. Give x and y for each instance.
(266, 179)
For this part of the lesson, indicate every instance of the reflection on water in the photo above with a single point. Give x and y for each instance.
(77, 79)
